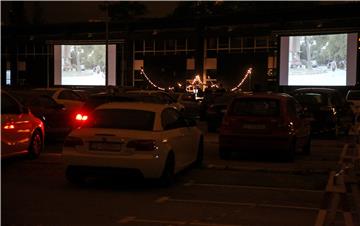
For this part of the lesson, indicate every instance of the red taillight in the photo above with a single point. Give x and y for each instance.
(73, 141)
(142, 145)
(9, 126)
(81, 117)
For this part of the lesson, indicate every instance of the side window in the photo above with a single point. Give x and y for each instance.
(171, 119)
(44, 101)
(9, 105)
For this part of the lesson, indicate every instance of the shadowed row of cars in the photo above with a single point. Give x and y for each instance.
(154, 134)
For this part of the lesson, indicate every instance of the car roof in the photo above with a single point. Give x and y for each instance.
(272, 95)
(135, 106)
(316, 89)
(52, 88)
(145, 91)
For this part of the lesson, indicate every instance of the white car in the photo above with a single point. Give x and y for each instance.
(151, 139)
(67, 97)
(156, 96)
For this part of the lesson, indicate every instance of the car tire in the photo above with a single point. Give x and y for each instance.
(74, 175)
(307, 147)
(200, 153)
(168, 174)
(290, 154)
(36, 145)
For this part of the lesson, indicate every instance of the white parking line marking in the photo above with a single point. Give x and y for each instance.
(127, 220)
(348, 219)
(162, 199)
(320, 220)
(249, 204)
(51, 154)
(191, 183)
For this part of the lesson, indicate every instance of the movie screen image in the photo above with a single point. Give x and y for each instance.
(83, 64)
(319, 60)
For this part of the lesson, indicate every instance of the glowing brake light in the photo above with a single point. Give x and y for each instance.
(11, 126)
(81, 117)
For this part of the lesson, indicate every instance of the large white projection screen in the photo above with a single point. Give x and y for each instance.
(318, 60)
(78, 65)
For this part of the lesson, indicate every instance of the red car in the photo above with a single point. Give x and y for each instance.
(264, 122)
(21, 131)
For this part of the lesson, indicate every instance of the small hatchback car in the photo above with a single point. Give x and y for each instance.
(21, 131)
(152, 140)
(264, 122)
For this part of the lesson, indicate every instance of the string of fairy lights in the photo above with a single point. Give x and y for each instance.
(198, 80)
(248, 73)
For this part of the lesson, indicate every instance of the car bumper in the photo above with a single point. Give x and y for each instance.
(246, 143)
(150, 165)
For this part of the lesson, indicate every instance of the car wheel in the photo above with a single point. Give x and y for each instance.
(74, 175)
(307, 147)
(290, 154)
(36, 145)
(200, 153)
(168, 173)
(224, 154)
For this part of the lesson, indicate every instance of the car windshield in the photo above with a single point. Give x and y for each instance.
(255, 107)
(312, 98)
(122, 119)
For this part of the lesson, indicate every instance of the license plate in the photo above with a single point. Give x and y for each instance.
(254, 126)
(105, 146)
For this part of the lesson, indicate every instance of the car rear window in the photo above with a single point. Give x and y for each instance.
(312, 98)
(122, 119)
(254, 107)
(96, 100)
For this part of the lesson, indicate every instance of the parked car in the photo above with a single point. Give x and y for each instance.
(21, 131)
(190, 103)
(264, 122)
(331, 114)
(95, 100)
(216, 111)
(152, 140)
(156, 96)
(56, 118)
(353, 98)
(208, 98)
(69, 98)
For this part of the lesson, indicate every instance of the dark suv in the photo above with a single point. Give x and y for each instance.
(331, 114)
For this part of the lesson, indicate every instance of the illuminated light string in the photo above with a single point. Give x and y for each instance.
(197, 79)
(148, 79)
(248, 73)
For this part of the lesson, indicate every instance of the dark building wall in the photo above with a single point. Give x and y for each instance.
(233, 67)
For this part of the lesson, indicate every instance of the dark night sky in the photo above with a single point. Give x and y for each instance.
(81, 11)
